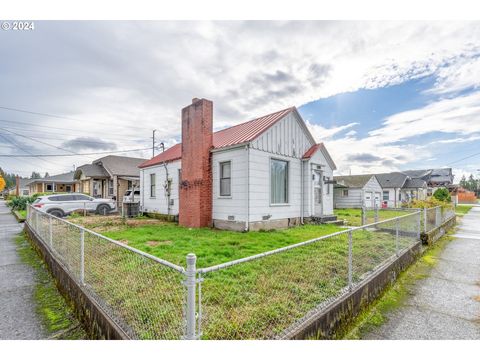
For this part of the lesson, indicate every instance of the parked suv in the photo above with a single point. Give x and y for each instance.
(62, 205)
(127, 197)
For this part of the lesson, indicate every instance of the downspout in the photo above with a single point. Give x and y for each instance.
(395, 189)
(247, 221)
(142, 173)
(302, 187)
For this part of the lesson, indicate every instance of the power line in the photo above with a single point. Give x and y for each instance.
(465, 158)
(54, 116)
(75, 154)
(66, 131)
(39, 141)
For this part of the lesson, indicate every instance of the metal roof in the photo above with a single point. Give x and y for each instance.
(235, 135)
(315, 147)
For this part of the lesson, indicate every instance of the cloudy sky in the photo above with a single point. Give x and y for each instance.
(381, 95)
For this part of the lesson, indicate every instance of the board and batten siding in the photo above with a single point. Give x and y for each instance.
(158, 203)
(287, 137)
(234, 205)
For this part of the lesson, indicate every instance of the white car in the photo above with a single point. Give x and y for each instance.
(64, 204)
(127, 197)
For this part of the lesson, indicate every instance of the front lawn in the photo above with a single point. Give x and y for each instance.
(353, 217)
(461, 210)
(172, 242)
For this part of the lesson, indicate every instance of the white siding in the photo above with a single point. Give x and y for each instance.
(287, 137)
(236, 204)
(158, 203)
(327, 192)
(259, 169)
(353, 200)
(391, 197)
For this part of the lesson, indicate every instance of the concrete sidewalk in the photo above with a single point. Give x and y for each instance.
(17, 281)
(445, 305)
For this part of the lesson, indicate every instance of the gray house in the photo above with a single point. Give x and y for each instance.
(355, 191)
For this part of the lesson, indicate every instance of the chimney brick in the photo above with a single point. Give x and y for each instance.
(196, 182)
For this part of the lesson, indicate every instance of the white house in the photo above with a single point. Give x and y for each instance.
(356, 191)
(399, 187)
(265, 173)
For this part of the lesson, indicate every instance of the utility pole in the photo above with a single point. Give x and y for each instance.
(153, 143)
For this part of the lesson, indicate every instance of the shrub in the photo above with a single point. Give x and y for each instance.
(21, 202)
(428, 203)
(442, 194)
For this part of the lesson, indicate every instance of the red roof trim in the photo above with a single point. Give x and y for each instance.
(234, 135)
(311, 151)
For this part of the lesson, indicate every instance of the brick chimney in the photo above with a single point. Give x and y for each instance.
(196, 183)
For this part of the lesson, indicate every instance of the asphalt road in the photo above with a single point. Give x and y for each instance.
(18, 319)
(445, 305)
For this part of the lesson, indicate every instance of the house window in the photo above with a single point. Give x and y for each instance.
(152, 185)
(225, 178)
(49, 187)
(25, 192)
(278, 181)
(386, 195)
(345, 193)
(68, 188)
(110, 187)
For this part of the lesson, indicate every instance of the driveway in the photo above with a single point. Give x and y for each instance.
(17, 281)
(446, 304)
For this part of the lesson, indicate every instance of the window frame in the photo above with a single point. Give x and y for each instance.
(345, 193)
(220, 178)
(153, 186)
(387, 193)
(51, 187)
(287, 180)
(110, 182)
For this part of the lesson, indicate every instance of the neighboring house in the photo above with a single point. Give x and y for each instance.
(435, 178)
(55, 183)
(266, 173)
(399, 187)
(21, 187)
(109, 177)
(356, 191)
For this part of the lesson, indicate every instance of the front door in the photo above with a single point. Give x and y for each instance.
(317, 193)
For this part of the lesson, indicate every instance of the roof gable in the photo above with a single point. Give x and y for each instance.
(320, 146)
(354, 181)
(239, 134)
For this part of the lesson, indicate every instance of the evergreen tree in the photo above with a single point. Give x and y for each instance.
(35, 175)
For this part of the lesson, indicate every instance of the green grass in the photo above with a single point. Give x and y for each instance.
(353, 217)
(172, 242)
(461, 210)
(23, 213)
(395, 295)
(253, 300)
(56, 315)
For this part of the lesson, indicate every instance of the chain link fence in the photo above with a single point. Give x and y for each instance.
(263, 296)
(142, 294)
(436, 216)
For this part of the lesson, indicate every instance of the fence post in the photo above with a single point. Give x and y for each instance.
(36, 221)
(82, 256)
(50, 231)
(425, 220)
(376, 212)
(396, 236)
(350, 260)
(419, 224)
(191, 284)
(364, 215)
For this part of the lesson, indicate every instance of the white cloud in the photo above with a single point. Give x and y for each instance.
(124, 79)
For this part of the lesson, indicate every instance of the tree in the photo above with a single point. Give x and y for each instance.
(2, 183)
(463, 182)
(35, 175)
(46, 175)
(442, 194)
